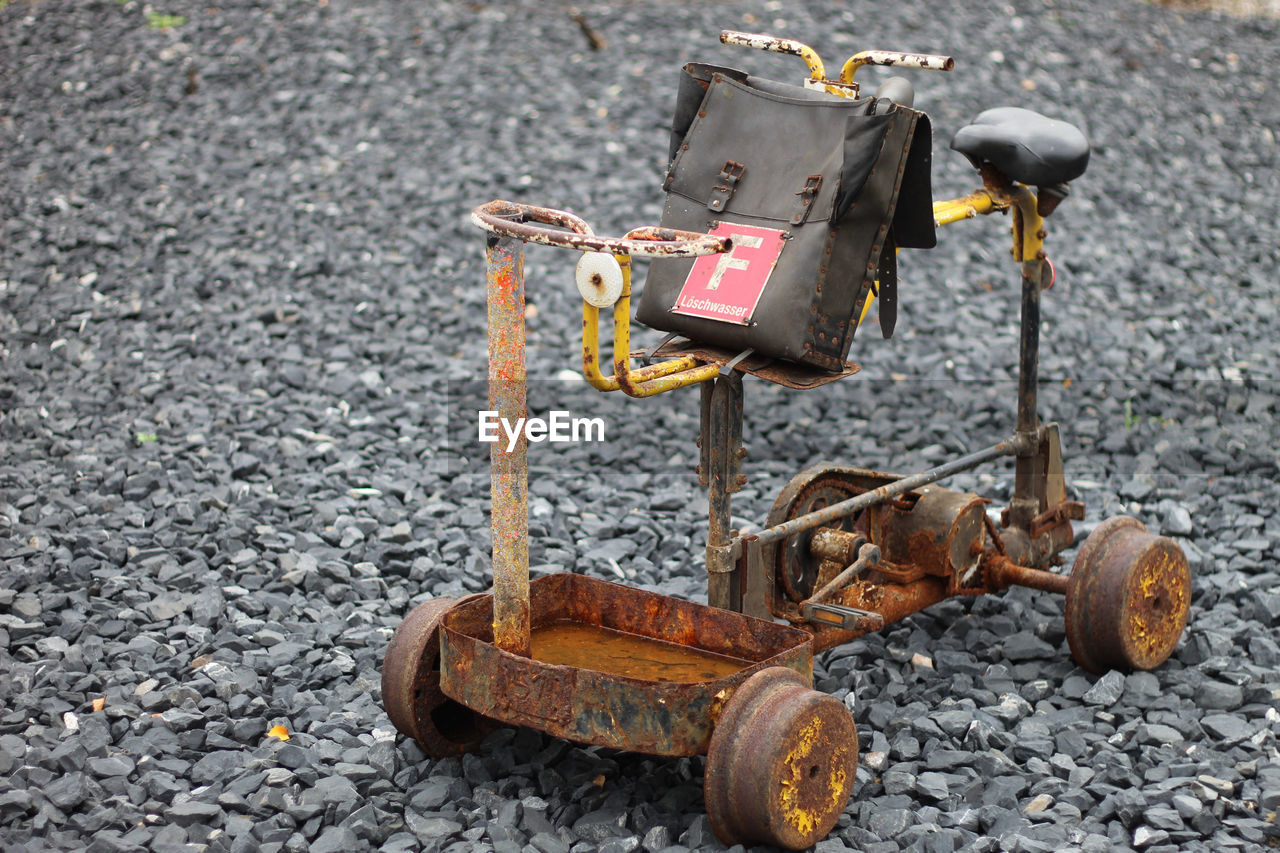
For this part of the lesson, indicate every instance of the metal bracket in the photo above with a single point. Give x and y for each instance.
(1055, 515)
(757, 580)
(724, 558)
(720, 436)
(839, 616)
(728, 367)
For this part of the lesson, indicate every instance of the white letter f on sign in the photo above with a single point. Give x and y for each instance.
(728, 262)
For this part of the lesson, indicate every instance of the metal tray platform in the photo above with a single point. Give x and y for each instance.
(613, 665)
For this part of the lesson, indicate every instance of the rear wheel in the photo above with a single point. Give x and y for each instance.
(1127, 597)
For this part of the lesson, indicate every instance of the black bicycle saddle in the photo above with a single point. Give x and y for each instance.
(1025, 146)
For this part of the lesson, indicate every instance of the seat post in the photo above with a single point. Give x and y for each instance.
(720, 470)
(1028, 490)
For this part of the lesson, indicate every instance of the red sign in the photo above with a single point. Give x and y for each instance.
(727, 286)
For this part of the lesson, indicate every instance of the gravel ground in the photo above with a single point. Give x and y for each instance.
(241, 329)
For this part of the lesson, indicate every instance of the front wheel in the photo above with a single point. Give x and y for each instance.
(781, 763)
(411, 692)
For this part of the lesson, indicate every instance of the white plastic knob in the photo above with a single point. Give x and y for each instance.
(599, 279)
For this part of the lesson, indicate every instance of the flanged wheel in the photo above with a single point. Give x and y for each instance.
(411, 687)
(781, 762)
(1127, 598)
(795, 569)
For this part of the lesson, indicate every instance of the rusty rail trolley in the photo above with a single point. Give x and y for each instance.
(844, 551)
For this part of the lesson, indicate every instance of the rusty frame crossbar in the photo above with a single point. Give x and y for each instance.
(550, 227)
(528, 223)
(826, 515)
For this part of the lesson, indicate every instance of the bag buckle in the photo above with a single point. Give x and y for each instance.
(730, 174)
(806, 197)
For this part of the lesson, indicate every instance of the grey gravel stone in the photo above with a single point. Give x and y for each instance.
(932, 786)
(192, 812)
(658, 837)
(598, 825)
(66, 791)
(545, 842)
(1226, 728)
(889, 823)
(1027, 646)
(1106, 690)
(335, 839)
(628, 844)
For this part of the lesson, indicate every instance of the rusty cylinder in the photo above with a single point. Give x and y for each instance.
(509, 470)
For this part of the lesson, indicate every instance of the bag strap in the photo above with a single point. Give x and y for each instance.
(887, 276)
(804, 199)
(730, 174)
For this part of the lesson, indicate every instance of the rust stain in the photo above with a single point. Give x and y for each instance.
(620, 653)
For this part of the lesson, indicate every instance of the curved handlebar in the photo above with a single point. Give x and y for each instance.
(527, 222)
(791, 47)
(773, 44)
(927, 61)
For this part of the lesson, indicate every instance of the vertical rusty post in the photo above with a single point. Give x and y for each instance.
(721, 471)
(509, 469)
(1024, 503)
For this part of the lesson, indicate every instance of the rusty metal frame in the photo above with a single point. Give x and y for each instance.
(603, 708)
(736, 687)
(551, 227)
(529, 223)
(736, 565)
(720, 470)
(509, 468)
(774, 44)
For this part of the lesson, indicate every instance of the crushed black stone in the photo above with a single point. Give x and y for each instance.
(242, 349)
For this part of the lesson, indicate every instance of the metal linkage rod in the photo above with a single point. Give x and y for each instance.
(826, 515)
(868, 557)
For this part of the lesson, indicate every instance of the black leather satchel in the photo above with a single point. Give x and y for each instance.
(815, 191)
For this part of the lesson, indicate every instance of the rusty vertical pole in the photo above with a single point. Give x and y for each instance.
(721, 473)
(1024, 504)
(509, 470)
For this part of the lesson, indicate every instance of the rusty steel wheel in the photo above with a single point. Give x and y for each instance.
(411, 687)
(1127, 597)
(781, 762)
(795, 569)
